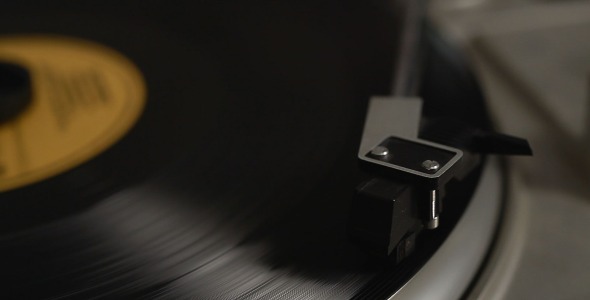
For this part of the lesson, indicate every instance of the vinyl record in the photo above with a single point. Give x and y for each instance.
(235, 179)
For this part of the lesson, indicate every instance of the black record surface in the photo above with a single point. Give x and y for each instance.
(237, 180)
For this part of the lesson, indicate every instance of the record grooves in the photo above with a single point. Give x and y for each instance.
(236, 181)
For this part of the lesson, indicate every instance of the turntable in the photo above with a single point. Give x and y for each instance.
(263, 150)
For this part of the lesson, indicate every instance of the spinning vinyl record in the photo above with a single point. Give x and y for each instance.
(203, 150)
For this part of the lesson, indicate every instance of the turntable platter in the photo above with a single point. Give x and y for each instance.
(235, 180)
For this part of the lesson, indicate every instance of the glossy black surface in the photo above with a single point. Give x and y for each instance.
(238, 179)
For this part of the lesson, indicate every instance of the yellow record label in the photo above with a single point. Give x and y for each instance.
(85, 98)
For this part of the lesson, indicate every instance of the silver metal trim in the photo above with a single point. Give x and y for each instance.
(433, 219)
(448, 165)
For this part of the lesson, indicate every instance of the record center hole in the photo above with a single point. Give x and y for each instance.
(15, 90)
